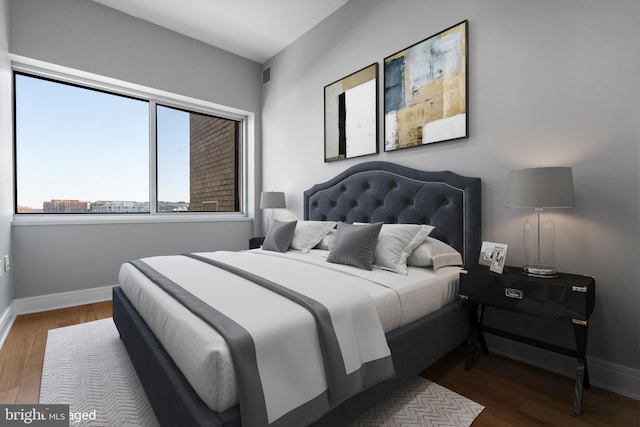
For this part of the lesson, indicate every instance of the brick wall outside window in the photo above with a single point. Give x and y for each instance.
(214, 164)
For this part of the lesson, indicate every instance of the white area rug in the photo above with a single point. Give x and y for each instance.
(87, 367)
(421, 402)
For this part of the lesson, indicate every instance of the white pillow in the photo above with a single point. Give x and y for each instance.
(309, 233)
(327, 241)
(434, 253)
(396, 242)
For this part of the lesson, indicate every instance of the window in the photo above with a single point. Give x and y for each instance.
(82, 150)
(197, 162)
(79, 150)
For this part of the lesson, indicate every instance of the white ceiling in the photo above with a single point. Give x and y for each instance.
(254, 29)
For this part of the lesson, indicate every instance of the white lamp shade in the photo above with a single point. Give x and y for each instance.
(548, 187)
(272, 200)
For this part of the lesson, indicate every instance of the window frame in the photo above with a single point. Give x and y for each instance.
(154, 98)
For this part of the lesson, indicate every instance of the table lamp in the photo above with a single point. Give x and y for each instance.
(539, 188)
(272, 200)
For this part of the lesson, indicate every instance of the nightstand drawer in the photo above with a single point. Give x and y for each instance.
(565, 296)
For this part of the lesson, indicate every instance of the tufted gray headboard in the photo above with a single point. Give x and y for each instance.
(391, 193)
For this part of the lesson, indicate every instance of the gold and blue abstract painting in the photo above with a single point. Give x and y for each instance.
(425, 91)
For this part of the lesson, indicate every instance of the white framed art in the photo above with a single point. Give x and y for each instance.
(486, 252)
(498, 260)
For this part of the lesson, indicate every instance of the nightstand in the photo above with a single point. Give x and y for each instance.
(255, 242)
(567, 296)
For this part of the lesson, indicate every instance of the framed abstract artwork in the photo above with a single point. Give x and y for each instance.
(425, 91)
(351, 115)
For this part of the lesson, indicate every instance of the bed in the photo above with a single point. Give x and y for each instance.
(370, 193)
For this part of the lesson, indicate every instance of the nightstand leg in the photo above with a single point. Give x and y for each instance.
(582, 370)
(577, 399)
(473, 341)
(476, 313)
(483, 343)
(586, 375)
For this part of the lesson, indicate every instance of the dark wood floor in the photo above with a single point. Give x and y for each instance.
(516, 394)
(513, 393)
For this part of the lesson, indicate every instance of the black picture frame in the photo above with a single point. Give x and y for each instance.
(426, 90)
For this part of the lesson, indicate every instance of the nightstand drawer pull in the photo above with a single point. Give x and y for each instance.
(513, 293)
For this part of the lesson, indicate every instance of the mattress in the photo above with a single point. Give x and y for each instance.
(202, 354)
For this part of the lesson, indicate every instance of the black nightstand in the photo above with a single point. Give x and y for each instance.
(567, 296)
(255, 242)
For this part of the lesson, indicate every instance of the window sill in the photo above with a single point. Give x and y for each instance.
(86, 219)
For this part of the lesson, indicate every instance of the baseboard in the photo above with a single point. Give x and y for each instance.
(609, 376)
(616, 378)
(61, 300)
(49, 302)
(6, 321)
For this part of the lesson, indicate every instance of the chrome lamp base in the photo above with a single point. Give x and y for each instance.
(544, 271)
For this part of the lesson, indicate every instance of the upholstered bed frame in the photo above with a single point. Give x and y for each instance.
(366, 192)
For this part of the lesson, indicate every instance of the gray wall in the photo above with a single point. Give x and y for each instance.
(73, 257)
(550, 83)
(6, 163)
(90, 37)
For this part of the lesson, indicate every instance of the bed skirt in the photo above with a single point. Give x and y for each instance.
(414, 347)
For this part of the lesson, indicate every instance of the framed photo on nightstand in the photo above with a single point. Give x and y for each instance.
(498, 259)
(486, 252)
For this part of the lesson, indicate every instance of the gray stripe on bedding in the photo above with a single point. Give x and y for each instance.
(341, 386)
(240, 344)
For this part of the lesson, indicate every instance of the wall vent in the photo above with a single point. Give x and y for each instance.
(266, 76)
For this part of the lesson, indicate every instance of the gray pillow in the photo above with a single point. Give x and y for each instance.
(279, 236)
(355, 245)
